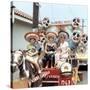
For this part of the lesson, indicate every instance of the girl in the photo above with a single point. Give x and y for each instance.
(50, 48)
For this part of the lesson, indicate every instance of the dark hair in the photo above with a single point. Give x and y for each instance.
(64, 32)
(32, 38)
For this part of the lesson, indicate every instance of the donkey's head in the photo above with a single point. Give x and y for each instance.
(16, 59)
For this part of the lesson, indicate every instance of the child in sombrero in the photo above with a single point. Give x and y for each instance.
(32, 56)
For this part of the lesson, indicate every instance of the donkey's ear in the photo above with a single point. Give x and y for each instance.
(20, 50)
(12, 51)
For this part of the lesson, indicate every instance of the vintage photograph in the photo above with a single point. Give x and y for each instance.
(49, 44)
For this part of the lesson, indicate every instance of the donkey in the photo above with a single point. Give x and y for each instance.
(26, 69)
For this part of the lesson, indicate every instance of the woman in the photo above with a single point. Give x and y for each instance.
(62, 51)
(75, 65)
(50, 48)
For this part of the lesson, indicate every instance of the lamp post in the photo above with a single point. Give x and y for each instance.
(35, 15)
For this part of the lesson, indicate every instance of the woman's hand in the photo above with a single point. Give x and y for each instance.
(59, 50)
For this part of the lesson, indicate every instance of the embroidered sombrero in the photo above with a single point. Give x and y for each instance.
(51, 34)
(28, 36)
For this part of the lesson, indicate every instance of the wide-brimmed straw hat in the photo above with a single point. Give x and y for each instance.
(51, 34)
(31, 35)
(65, 34)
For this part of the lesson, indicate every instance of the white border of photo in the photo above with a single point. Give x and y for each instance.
(5, 44)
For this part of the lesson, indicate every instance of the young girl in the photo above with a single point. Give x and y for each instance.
(50, 48)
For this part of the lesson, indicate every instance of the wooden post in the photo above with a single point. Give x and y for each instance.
(35, 14)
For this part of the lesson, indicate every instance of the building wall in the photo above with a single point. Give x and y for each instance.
(19, 30)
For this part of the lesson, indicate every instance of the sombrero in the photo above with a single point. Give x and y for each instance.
(51, 34)
(31, 35)
(65, 34)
